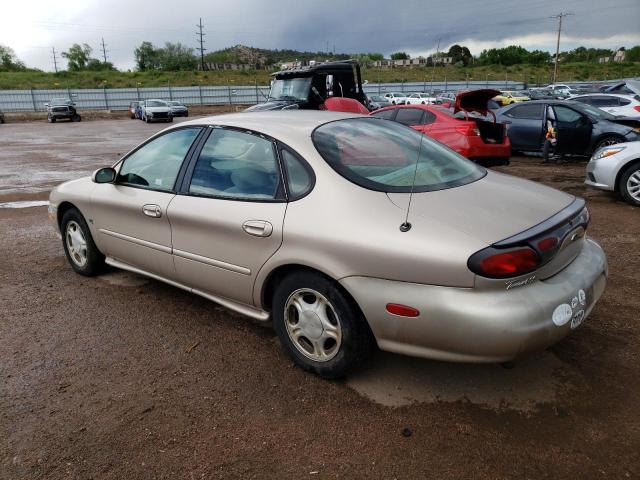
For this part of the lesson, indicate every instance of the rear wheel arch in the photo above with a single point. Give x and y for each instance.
(276, 275)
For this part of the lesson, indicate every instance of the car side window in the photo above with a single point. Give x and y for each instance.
(623, 101)
(428, 117)
(386, 114)
(299, 179)
(156, 164)
(530, 112)
(566, 115)
(234, 164)
(409, 116)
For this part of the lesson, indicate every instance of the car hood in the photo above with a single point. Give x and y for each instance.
(271, 105)
(474, 100)
(157, 109)
(493, 208)
(633, 85)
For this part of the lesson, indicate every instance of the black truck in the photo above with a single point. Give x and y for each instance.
(308, 87)
(59, 108)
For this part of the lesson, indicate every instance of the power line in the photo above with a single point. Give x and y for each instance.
(55, 60)
(201, 35)
(104, 51)
(559, 16)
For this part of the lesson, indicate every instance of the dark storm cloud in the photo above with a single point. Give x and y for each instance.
(352, 26)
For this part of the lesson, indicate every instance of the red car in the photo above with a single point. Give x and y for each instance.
(464, 128)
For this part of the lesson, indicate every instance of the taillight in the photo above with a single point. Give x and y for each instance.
(637, 108)
(548, 244)
(468, 130)
(494, 263)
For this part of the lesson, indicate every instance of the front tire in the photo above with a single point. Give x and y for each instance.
(76, 118)
(319, 326)
(629, 185)
(607, 141)
(79, 247)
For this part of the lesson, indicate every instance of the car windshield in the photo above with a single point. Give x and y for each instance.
(60, 101)
(290, 89)
(594, 112)
(155, 103)
(175, 104)
(381, 155)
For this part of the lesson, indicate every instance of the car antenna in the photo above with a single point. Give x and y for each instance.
(406, 226)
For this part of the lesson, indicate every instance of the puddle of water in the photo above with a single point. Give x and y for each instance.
(122, 278)
(25, 204)
(394, 380)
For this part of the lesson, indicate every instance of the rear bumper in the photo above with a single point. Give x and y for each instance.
(469, 325)
(476, 148)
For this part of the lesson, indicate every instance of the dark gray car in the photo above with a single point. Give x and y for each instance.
(581, 129)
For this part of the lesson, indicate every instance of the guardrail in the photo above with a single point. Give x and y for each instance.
(120, 98)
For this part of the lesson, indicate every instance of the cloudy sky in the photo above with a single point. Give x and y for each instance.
(32, 27)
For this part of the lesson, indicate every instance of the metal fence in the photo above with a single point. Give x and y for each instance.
(120, 98)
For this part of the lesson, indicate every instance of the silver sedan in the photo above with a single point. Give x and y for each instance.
(347, 232)
(616, 168)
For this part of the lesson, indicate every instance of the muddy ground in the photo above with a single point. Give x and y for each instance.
(121, 377)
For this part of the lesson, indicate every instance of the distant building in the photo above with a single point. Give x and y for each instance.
(229, 66)
(412, 62)
(620, 55)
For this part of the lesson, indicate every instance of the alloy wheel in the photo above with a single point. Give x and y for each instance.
(633, 185)
(312, 325)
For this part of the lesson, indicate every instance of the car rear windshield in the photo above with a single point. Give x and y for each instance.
(382, 155)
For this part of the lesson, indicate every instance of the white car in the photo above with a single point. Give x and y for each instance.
(616, 168)
(614, 103)
(156, 110)
(421, 99)
(396, 98)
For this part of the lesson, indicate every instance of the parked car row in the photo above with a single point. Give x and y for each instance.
(155, 109)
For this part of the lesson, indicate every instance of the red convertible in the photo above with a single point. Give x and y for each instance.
(470, 128)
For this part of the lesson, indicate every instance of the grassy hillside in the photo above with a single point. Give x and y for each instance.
(531, 74)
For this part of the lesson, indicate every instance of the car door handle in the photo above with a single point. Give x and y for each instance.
(151, 210)
(258, 228)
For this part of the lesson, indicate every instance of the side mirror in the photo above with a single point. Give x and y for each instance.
(104, 175)
(46, 105)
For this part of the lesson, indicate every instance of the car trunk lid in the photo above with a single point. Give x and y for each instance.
(504, 211)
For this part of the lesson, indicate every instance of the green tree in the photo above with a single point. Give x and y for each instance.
(400, 56)
(375, 56)
(8, 60)
(460, 54)
(176, 56)
(507, 56)
(146, 56)
(633, 54)
(78, 56)
(96, 65)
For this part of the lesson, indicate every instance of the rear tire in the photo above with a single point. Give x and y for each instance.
(629, 185)
(328, 343)
(79, 247)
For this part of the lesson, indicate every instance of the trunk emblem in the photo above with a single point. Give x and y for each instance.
(521, 283)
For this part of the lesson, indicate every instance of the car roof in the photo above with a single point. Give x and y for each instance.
(605, 94)
(280, 124)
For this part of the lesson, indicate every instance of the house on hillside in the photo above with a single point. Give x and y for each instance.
(619, 56)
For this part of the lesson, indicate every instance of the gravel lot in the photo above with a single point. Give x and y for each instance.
(121, 377)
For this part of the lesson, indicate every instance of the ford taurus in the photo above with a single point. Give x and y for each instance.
(346, 232)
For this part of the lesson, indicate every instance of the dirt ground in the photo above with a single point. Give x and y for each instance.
(121, 377)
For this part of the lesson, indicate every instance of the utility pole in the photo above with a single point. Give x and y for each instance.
(55, 59)
(555, 64)
(433, 64)
(104, 51)
(201, 35)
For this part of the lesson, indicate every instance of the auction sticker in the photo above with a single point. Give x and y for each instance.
(577, 319)
(562, 314)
